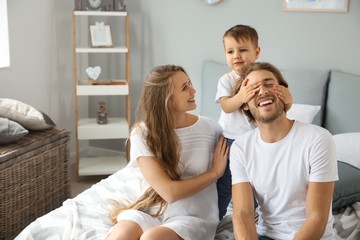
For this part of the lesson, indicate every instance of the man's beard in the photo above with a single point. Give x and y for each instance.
(268, 118)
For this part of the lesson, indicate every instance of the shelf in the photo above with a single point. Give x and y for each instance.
(100, 162)
(88, 129)
(101, 50)
(100, 13)
(86, 89)
(104, 165)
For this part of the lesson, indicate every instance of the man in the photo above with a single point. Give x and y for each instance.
(290, 166)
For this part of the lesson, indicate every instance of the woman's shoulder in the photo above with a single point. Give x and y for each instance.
(138, 129)
(211, 123)
(207, 120)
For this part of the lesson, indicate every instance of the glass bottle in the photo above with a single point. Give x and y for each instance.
(101, 115)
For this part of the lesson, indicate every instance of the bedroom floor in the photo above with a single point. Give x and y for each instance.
(84, 183)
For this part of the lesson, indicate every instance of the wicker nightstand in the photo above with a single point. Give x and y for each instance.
(34, 178)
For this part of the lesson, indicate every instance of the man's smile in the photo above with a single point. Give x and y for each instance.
(265, 102)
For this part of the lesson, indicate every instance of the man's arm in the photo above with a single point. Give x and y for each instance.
(318, 202)
(243, 215)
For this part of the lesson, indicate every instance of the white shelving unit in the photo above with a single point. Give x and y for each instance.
(101, 162)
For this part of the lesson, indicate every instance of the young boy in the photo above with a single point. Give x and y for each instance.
(241, 49)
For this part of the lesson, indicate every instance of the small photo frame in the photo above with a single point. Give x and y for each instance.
(211, 2)
(316, 5)
(100, 35)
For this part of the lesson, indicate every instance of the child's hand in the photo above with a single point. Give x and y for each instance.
(284, 94)
(247, 92)
(220, 157)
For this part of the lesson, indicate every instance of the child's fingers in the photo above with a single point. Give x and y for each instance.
(254, 90)
(244, 83)
(277, 88)
(250, 94)
(282, 98)
(283, 93)
(278, 91)
(280, 94)
(254, 85)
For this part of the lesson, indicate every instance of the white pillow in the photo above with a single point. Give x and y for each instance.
(348, 148)
(303, 112)
(24, 114)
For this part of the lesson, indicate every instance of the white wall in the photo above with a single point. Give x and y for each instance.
(41, 69)
(177, 32)
(186, 32)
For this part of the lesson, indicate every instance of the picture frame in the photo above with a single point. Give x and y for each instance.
(211, 2)
(100, 35)
(316, 5)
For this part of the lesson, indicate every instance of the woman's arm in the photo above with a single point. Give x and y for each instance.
(173, 190)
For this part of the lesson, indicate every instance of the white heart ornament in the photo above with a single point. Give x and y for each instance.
(93, 72)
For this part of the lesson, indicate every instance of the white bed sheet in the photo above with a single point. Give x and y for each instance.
(86, 217)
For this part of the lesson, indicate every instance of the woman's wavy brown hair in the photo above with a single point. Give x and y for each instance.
(155, 111)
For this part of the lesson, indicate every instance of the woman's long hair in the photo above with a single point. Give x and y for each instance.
(155, 111)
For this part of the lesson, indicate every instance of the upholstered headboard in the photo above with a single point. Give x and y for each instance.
(337, 93)
(211, 72)
(308, 87)
(342, 106)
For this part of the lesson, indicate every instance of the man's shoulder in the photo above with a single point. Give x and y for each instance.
(311, 132)
(247, 137)
(308, 128)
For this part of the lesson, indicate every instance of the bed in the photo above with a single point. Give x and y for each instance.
(87, 215)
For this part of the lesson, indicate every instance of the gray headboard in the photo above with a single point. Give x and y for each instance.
(308, 87)
(337, 93)
(342, 113)
(211, 72)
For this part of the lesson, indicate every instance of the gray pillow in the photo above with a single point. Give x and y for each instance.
(347, 189)
(11, 131)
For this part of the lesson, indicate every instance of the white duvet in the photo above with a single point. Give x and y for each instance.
(87, 215)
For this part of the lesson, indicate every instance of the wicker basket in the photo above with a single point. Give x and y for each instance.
(34, 178)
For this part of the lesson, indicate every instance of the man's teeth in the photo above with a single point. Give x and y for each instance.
(265, 102)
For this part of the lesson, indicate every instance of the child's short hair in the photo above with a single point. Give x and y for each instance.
(243, 32)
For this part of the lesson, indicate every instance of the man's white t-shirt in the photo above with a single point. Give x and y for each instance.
(234, 124)
(280, 173)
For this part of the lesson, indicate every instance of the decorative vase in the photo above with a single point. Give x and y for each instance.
(101, 115)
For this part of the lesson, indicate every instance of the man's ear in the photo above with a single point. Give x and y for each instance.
(246, 107)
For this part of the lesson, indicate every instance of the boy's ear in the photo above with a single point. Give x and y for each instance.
(246, 107)
(257, 52)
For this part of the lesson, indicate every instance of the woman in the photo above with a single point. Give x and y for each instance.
(175, 153)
